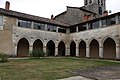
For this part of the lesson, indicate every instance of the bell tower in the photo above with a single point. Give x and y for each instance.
(99, 5)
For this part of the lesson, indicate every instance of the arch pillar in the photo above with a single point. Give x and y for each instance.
(77, 51)
(30, 49)
(118, 52)
(56, 49)
(87, 51)
(101, 52)
(45, 47)
(67, 52)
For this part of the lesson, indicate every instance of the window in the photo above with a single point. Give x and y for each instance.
(51, 28)
(62, 30)
(90, 1)
(72, 29)
(1, 22)
(109, 21)
(101, 2)
(100, 10)
(86, 2)
(119, 18)
(104, 22)
(39, 26)
(95, 24)
(82, 27)
(98, 1)
(24, 23)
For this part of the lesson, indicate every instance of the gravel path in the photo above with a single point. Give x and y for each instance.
(100, 73)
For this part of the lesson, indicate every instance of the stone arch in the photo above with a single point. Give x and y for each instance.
(61, 49)
(109, 48)
(39, 39)
(23, 47)
(116, 41)
(91, 39)
(73, 49)
(38, 45)
(94, 49)
(82, 49)
(27, 38)
(50, 48)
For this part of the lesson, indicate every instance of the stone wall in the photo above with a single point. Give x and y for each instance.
(32, 35)
(72, 16)
(6, 43)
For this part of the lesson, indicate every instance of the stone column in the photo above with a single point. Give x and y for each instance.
(77, 51)
(100, 23)
(67, 50)
(117, 52)
(87, 25)
(30, 49)
(45, 47)
(56, 51)
(76, 28)
(32, 25)
(87, 52)
(101, 52)
(57, 29)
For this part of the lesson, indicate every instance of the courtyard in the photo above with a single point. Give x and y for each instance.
(58, 68)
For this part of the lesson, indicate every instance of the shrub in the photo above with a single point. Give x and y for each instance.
(3, 57)
(37, 54)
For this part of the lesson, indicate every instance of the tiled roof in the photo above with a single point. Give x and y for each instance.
(32, 17)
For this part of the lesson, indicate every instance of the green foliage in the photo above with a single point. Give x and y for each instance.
(3, 57)
(47, 53)
(37, 54)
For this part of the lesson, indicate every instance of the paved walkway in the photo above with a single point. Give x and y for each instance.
(76, 78)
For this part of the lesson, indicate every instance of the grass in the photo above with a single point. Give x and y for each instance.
(46, 68)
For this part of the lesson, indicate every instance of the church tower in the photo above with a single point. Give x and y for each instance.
(98, 5)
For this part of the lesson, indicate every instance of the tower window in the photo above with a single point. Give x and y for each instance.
(86, 2)
(100, 10)
(98, 1)
(90, 1)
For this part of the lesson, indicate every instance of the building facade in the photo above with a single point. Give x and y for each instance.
(95, 38)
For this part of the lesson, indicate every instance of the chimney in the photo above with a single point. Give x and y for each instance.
(52, 17)
(7, 5)
(105, 13)
(86, 17)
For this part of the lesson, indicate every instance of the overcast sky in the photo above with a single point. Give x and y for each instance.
(45, 8)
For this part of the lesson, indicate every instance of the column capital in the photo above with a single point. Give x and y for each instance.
(117, 46)
(31, 46)
(100, 46)
(87, 47)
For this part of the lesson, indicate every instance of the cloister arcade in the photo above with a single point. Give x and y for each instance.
(106, 48)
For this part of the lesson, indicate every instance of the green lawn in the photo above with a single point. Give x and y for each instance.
(46, 68)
